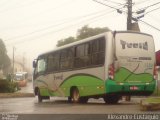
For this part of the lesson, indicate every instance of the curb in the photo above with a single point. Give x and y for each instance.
(146, 105)
(16, 95)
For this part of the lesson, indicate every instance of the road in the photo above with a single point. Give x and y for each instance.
(29, 106)
(59, 105)
(59, 108)
(27, 89)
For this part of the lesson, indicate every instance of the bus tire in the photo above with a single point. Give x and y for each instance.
(40, 98)
(83, 99)
(69, 99)
(75, 96)
(111, 99)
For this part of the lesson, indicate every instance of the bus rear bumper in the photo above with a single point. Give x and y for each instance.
(137, 89)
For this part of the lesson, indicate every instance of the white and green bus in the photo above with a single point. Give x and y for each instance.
(108, 66)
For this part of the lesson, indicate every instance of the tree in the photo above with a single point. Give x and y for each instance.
(86, 31)
(66, 41)
(4, 59)
(82, 33)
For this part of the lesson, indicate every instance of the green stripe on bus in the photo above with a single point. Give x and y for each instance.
(124, 75)
(86, 84)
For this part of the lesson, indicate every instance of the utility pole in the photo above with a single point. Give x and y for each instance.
(129, 17)
(13, 64)
(129, 27)
(23, 61)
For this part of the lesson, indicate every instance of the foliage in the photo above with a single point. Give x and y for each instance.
(7, 87)
(4, 59)
(153, 100)
(86, 31)
(66, 41)
(156, 92)
(82, 33)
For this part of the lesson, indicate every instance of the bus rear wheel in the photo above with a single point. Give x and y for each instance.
(83, 99)
(111, 99)
(75, 97)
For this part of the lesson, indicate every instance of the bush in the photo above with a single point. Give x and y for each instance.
(7, 86)
(156, 92)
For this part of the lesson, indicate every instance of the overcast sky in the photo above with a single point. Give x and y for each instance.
(35, 26)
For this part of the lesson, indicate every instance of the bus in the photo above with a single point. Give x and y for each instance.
(109, 66)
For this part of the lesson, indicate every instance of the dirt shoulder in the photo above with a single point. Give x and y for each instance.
(14, 95)
(150, 104)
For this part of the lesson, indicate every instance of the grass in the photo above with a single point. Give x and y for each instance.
(153, 100)
(156, 92)
(15, 95)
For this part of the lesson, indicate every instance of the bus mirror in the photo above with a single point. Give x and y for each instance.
(34, 64)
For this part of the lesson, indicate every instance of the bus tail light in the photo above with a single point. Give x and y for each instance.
(111, 71)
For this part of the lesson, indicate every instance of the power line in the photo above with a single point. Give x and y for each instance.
(23, 5)
(142, 10)
(152, 10)
(59, 29)
(150, 25)
(151, 5)
(55, 25)
(45, 11)
(114, 2)
(143, 1)
(105, 5)
(154, 18)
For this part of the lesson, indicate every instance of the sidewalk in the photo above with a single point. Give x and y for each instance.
(152, 103)
(27, 89)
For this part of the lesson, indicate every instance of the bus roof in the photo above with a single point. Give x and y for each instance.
(76, 43)
(90, 38)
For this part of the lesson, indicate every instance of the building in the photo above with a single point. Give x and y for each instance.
(18, 67)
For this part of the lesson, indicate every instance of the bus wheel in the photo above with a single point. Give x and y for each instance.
(69, 99)
(83, 99)
(39, 96)
(111, 99)
(75, 97)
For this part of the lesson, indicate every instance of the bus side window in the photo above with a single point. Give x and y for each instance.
(83, 57)
(101, 55)
(71, 57)
(50, 63)
(98, 50)
(95, 47)
(79, 56)
(53, 62)
(56, 57)
(66, 59)
(87, 55)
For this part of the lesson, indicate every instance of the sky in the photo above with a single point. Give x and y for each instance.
(34, 26)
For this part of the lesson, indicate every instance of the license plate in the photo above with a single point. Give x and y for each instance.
(133, 88)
